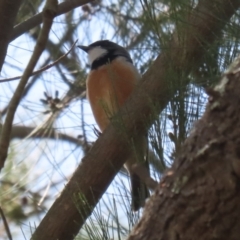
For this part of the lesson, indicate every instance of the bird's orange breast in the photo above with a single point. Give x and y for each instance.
(108, 88)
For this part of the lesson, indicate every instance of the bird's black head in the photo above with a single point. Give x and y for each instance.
(103, 52)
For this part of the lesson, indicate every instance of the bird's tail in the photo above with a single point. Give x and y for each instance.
(139, 192)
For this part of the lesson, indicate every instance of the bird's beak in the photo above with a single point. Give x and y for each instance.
(84, 48)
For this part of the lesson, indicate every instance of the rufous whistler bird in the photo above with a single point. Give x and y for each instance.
(110, 82)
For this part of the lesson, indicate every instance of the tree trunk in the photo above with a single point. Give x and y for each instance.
(199, 197)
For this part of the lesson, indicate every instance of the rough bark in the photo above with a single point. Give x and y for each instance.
(8, 13)
(69, 212)
(199, 197)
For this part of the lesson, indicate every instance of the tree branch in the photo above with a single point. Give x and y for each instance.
(190, 43)
(37, 19)
(23, 132)
(48, 15)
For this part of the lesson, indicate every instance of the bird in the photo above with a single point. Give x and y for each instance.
(109, 84)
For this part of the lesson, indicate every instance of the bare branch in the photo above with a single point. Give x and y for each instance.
(48, 15)
(24, 132)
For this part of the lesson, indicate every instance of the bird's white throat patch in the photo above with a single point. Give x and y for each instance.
(96, 53)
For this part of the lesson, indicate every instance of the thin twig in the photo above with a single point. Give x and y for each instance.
(49, 13)
(43, 68)
(5, 224)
